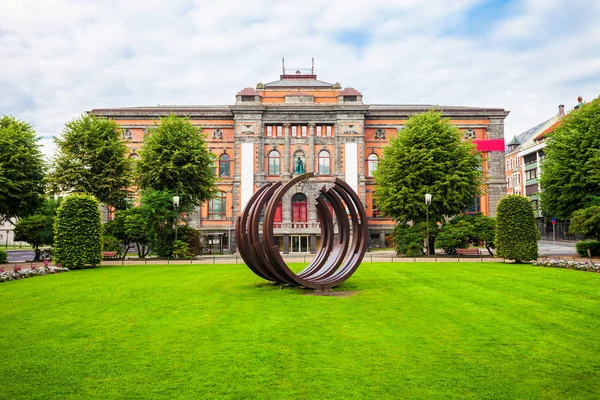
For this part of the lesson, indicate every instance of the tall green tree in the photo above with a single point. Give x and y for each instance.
(78, 232)
(516, 230)
(176, 159)
(571, 170)
(427, 156)
(22, 169)
(586, 222)
(91, 158)
(38, 229)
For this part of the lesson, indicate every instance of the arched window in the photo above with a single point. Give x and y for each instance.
(224, 166)
(134, 156)
(217, 206)
(324, 163)
(372, 162)
(274, 160)
(278, 218)
(299, 208)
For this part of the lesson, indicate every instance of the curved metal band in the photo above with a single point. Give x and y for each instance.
(338, 256)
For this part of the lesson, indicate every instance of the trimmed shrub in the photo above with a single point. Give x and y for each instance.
(583, 246)
(410, 240)
(3, 257)
(516, 231)
(192, 237)
(111, 243)
(78, 232)
(181, 250)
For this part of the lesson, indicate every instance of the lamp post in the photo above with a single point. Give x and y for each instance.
(176, 207)
(427, 204)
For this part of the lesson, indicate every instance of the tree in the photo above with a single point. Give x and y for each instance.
(516, 232)
(466, 230)
(410, 239)
(571, 170)
(38, 229)
(587, 222)
(175, 159)
(427, 156)
(91, 158)
(22, 169)
(78, 232)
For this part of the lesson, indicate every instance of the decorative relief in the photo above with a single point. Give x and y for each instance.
(351, 129)
(248, 129)
(379, 133)
(127, 135)
(217, 134)
(470, 133)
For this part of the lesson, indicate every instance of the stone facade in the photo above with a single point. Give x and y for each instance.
(329, 129)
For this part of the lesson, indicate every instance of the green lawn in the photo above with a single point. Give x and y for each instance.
(415, 330)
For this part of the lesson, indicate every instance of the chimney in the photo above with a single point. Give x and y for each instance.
(561, 111)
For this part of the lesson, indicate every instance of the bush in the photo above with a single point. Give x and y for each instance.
(192, 237)
(78, 232)
(586, 222)
(410, 240)
(516, 231)
(181, 250)
(3, 257)
(583, 246)
(111, 243)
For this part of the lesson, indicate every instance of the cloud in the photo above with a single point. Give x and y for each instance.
(63, 57)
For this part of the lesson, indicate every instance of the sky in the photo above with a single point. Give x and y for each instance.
(60, 58)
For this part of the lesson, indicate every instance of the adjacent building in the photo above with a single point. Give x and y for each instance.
(298, 124)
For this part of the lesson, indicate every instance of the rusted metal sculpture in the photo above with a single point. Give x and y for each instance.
(337, 257)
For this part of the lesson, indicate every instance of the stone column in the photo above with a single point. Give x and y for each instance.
(313, 243)
(311, 147)
(382, 239)
(286, 244)
(286, 151)
(496, 178)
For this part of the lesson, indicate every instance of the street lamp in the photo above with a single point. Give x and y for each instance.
(427, 204)
(176, 206)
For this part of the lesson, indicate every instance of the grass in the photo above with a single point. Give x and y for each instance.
(415, 330)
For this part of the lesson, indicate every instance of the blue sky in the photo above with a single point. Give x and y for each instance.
(60, 58)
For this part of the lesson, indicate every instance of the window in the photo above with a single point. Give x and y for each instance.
(508, 184)
(224, 166)
(278, 216)
(274, 160)
(294, 131)
(507, 165)
(535, 204)
(217, 207)
(531, 174)
(319, 130)
(372, 162)
(304, 129)
(248, 98)
(134, 156)
(375, 209)
(324, 163)
(299, 208)
(350, 98)
(328, 130)
(279, 131)
(475, 206)
(529, 159)
(270, 130)
(531, 189)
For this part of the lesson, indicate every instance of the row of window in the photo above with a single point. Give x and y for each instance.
(512, 163)
(299, 130)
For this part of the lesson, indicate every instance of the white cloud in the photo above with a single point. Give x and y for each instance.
(61, 57)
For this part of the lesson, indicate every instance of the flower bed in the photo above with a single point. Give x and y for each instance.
(578, 265)
(20, 273)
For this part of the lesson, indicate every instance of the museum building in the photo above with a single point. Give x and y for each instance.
(301, 124)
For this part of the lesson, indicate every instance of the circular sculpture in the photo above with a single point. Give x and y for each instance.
(337, 257)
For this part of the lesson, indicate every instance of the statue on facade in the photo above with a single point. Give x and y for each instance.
(299, 169)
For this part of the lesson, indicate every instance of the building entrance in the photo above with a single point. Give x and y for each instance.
(299, 243)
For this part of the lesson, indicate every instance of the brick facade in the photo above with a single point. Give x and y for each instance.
(299, 116)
